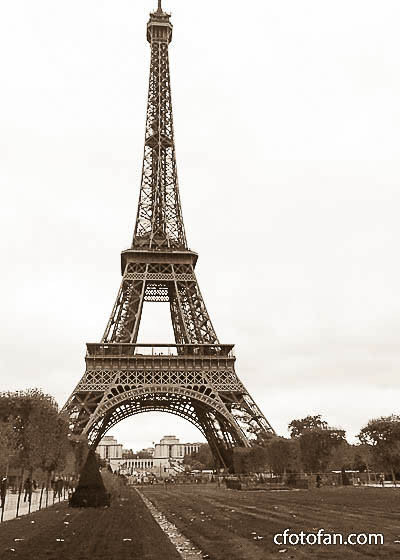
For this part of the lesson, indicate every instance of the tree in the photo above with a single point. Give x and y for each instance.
(297, 427)
(316, 447)
(316, 440)
(144, 455)
(41, 434)
(383, 437)
(258, 459)
(241, 460)
(202, 459)
(343, 455)
(363, 459)
(250, 459)
(128, 454)
(47, 437)
(8, 444)
(263, 438)
(283, 455)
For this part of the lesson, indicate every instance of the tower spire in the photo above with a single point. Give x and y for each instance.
(159, 222)
(159, 11)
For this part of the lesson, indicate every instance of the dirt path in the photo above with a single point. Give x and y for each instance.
(241, 525)
(125, 531)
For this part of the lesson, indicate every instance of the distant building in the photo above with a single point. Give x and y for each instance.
(109, 448)
(169, 447)
(164, 460)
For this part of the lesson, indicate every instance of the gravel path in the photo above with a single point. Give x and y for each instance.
(183, 545)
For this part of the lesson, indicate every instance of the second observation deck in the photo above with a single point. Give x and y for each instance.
(182, 350)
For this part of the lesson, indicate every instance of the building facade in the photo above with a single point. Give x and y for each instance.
(167, 457)
(170, 447)
(109, 448)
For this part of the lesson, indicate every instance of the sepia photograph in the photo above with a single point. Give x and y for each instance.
(199, 231)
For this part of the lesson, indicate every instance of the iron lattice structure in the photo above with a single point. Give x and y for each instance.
(194, 378)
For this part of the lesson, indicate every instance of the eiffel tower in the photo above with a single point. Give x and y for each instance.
(195, 377)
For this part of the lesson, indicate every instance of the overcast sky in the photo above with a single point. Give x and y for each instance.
(287, 126)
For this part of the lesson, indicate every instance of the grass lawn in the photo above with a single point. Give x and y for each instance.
(63, 533)
(226, 524)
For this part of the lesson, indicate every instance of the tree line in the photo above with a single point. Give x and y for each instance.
(34, 437)
(315, 447)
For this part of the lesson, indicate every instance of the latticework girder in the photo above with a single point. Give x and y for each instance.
(159, 282)
(195, 378)
(159, 222)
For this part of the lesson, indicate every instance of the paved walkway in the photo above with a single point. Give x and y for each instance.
(10, 509)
